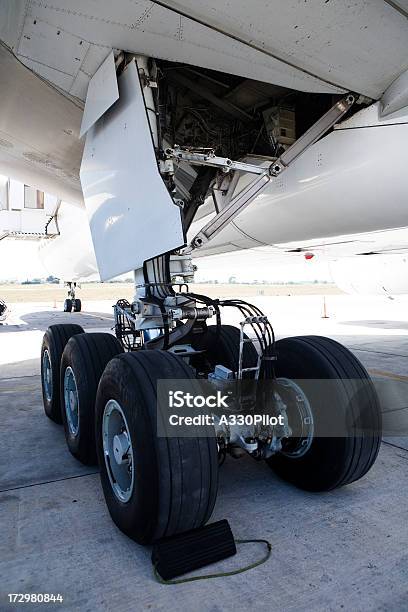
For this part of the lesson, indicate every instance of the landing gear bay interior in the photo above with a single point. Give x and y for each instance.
(170, 439)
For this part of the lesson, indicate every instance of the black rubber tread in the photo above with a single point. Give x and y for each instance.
(223, 348)
(55, 339)
(331, 462)
(68, 305)
(370, 420)
(77, 304)
(177, 480)
(87, 355)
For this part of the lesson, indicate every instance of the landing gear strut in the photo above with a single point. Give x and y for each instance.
(72, 303)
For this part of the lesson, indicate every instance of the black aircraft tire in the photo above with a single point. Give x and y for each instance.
(175, 478)
(351, 404)
(87, 356)
(223, 348)
(68, 305)
(77, 305)
(54, 341)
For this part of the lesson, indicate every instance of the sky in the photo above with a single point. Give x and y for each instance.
(19, 261)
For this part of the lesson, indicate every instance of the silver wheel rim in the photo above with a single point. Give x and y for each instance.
(47, 375)
(305, 416)
(118, 451)
(71, 401)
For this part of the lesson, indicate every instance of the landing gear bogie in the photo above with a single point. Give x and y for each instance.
(155, 485)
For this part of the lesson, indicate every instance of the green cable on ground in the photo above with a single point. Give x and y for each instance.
(221, 574)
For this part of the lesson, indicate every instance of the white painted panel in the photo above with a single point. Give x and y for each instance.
(131, 214)
(50, 203)
(102, 93)
(52, 46)
(147, 29)
(27, 221)
(12, 14)
(359, 45)
(396, 96)
(16, 195)
(94, 58)
(79, 86)
(10, 221)
(70, 256)
(352, 181)
(310, 45)
(371, 116)
(39, 131)
(4, 192)
(58, 78)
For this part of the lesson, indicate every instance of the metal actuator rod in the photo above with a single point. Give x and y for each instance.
(196, 158)
(264, 175)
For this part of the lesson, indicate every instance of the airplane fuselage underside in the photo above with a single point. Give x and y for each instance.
(246, 83)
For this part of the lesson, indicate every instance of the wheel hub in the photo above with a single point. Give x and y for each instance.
(47, 375)
(300, 417)
(118, 451)
(120, 448)
(71, 401)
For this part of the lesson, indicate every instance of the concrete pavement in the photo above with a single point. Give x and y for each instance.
(343, 550)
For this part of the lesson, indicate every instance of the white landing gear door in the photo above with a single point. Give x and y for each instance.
(131, 214)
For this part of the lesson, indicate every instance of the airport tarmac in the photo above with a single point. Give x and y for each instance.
(343, 550)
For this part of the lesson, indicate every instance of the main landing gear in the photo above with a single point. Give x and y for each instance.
(72, 303)
(159, 485)
(304, 405)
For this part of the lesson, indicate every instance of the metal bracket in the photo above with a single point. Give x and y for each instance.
(209, 158)
(262, 321)
(313, 134)
(236, 205)
(239, 202)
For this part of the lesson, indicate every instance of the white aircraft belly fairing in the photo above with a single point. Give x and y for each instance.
(353, 180)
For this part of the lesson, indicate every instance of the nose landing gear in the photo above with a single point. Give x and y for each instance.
(72, 303)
